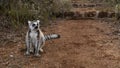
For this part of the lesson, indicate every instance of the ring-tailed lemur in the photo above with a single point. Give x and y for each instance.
(35, 39)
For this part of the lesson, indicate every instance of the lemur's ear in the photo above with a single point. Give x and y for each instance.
(38, 21)
(29, 22)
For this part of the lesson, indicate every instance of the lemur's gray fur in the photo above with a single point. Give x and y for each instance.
(35, 39)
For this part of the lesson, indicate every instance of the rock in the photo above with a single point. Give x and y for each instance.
(11, 56)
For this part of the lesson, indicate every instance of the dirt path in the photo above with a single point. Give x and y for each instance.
(83, 44)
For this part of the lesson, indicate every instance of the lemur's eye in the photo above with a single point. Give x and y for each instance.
(33, 25)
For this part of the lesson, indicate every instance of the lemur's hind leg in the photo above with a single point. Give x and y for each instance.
(42, 43)
(27, 47)
(41, 47)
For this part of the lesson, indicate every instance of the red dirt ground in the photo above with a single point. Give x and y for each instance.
(83, 44)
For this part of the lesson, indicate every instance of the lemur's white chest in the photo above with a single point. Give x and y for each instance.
(33, 35)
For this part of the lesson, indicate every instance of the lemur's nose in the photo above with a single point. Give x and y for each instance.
(36, 27)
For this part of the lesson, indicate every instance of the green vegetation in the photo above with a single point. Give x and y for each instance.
(19, 11)
(116, 5)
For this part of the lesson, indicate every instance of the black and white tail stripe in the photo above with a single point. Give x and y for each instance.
(52, 36)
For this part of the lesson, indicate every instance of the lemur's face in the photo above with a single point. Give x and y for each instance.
(33, 25)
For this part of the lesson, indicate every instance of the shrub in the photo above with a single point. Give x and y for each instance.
(19, 11)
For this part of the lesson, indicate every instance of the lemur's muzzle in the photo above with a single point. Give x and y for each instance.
(36, 27)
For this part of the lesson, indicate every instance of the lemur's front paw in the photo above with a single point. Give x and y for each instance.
(31, 50)
(27, 53)
(41, 50)
(37, 55)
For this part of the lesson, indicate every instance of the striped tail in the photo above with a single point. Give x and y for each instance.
(51, 36)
